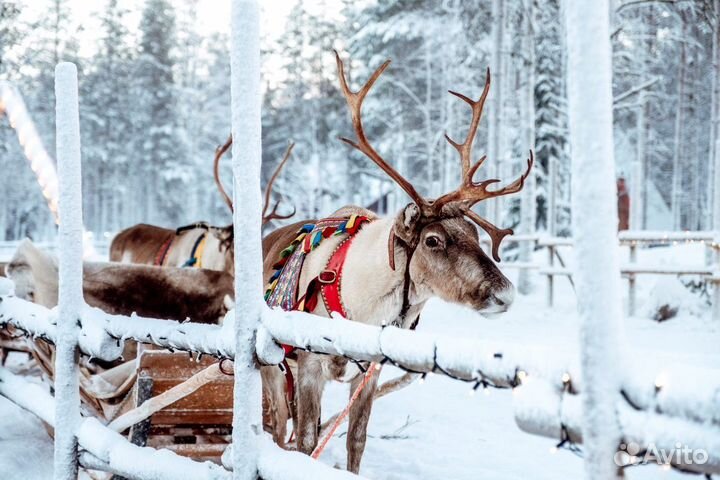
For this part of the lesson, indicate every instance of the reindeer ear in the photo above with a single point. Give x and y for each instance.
(224, 234)
(406, 223)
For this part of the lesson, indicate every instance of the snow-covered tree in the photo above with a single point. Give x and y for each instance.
(107, 120)
(161, 173)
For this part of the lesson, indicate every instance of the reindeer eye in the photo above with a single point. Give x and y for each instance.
(432, 241)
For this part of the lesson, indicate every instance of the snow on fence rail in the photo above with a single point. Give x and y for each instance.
(689, 403)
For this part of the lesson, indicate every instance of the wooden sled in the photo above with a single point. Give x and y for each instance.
(10, 342)
(180, 403)
(171, 400)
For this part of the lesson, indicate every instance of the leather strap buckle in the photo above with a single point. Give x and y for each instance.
(327, 277)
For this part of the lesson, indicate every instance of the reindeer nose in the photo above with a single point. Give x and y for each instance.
(504, 297)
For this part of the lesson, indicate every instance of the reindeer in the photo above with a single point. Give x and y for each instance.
(195, 245)
(202, 295)
(394, 265)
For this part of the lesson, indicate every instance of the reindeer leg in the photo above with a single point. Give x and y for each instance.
(359, 416)
(310, 384)
(275, 405)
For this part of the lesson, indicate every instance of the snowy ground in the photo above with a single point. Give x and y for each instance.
(436, 430)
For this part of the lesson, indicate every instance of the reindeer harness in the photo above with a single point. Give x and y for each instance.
(196, 254)
(282, 288)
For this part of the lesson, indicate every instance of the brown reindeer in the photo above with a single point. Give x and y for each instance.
(176, 293)
(429, 249)
(199, 244)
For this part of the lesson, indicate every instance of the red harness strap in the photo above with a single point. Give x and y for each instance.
(162, 252)
(331, 277)
(327, 283)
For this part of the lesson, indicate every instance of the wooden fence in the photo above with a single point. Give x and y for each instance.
(654, 409)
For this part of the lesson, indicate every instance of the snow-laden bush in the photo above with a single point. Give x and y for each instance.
(669, 297)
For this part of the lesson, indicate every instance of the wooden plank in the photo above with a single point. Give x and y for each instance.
(660, 236)
(639, 270)
(558, 271)
(519, 265)
(555, 242)
(14, 344)
(139, 433)
(185, 417)
(199, 451)
(665, 270)
(211, 404)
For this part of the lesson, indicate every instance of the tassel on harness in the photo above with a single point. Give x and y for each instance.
(196, 253)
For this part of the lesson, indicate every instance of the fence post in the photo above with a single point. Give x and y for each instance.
(550, 277)
(715, 263)
(70, 293)
(246, 160)
(632, 293)
(594, 206)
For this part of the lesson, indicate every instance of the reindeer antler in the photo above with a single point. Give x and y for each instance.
(273, 215)
(354, 101)
(219, 152)
(469, 192)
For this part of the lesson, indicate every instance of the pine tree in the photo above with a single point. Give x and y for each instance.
(30, 52)
(107, 123)
(550, 116)
(10, 155)
(162, 174)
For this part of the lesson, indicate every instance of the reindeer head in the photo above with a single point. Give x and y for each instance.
(444, 254)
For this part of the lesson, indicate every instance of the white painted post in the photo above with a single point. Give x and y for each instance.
(70, 300)
(594, 207)
(632, 290)
(716, 298)
(550, 277)
(246, 160)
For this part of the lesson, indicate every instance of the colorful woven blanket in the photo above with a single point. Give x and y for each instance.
(282, 288)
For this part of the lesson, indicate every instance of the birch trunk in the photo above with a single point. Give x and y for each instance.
(594, 204)
(430, 172)
(637, 192)
(714, 186)
(527, 210)
(679, 127)
(552, 196)
(495, 124)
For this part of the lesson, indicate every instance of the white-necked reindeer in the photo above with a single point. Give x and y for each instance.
(394, 265)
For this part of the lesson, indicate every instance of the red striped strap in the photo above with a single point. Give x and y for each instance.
(331, 277)
(162, 252)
